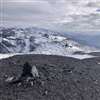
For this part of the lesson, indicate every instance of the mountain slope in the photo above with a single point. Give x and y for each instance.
(38, 41)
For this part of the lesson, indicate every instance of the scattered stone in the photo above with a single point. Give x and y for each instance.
(5, 76)
(96, 81)
(32, 84)
(19, 84)
(28, 79)
(9, 79)
(45, 92)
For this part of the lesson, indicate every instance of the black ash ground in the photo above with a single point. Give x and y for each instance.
(61, 78)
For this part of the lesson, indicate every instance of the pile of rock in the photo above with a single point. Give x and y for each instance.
(30, 75)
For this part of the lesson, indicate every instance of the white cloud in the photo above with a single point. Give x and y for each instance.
(56, 14)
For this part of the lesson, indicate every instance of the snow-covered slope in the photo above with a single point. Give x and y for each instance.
(38, 41)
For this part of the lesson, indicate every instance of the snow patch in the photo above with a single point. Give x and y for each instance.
(3, 56)
(35, 71)
(98, 63)
(81, 56)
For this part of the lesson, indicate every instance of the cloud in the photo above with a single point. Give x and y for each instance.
(60, 15)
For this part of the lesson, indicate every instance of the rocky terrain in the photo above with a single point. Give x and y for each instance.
(62, 78)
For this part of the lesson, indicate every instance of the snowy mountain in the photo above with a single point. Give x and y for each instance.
(39, 41)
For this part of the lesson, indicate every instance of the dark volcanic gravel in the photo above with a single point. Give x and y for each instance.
(62, 78)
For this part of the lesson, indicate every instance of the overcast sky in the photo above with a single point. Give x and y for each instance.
(60, 15)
